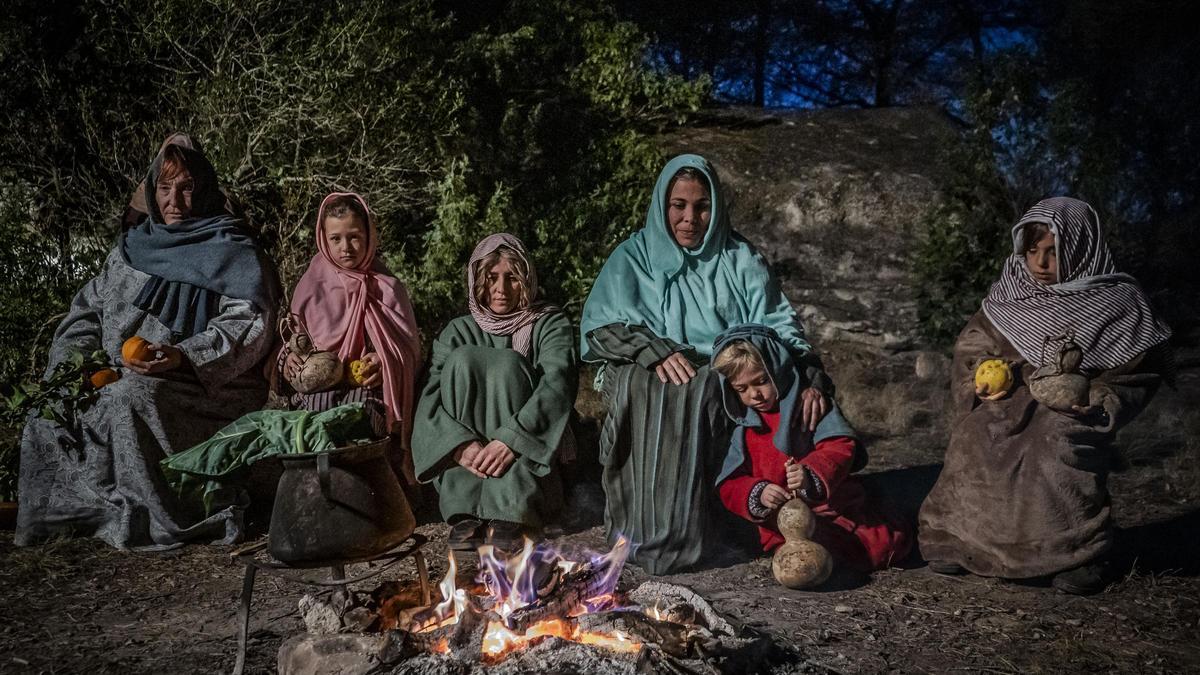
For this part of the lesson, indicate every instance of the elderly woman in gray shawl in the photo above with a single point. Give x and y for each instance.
(494, 414)
(1023, 491)
(191, 281)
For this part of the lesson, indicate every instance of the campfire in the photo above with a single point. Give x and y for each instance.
(540, 602)
(526, 599)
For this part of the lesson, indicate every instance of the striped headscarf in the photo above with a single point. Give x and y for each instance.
(1106, 311)
(518, 323)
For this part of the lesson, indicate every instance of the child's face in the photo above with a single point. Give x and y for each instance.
(756, 390)
(1042, 260)
(346, 238)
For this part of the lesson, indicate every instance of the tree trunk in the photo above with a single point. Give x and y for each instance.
(761, 51)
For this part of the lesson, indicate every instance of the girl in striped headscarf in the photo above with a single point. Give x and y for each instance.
(1023, 490)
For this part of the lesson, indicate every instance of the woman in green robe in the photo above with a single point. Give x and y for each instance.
(661, 299)
(494, 412)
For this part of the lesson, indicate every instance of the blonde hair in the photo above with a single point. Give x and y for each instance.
(737, 357)
(485, 265)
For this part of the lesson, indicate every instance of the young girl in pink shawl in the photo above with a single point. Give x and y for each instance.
(349, 303)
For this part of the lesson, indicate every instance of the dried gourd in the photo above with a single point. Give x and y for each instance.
(799, 563)
(319, 370)
(1058, 384)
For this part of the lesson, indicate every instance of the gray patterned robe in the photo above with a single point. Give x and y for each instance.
(102, 478)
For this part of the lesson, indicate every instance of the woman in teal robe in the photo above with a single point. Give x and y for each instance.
(661, 299)
(495, 410)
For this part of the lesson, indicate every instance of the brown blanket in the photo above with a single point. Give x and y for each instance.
(1023, 490)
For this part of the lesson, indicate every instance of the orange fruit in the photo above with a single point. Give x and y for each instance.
(104, 376)
(357, 372)
(136, 347)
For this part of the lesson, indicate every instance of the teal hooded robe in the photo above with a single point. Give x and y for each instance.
(662, 444)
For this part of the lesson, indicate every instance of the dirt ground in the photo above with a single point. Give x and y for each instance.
(78, 606)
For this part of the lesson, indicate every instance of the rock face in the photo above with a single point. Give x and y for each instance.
(834, 200)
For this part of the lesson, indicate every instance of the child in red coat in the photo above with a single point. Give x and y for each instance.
(789, 443)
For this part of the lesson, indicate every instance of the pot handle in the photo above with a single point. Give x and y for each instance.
(323, 475)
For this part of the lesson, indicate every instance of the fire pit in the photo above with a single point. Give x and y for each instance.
(256, 558)
(537, 611)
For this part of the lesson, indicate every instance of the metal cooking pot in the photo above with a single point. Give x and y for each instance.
(338, 506)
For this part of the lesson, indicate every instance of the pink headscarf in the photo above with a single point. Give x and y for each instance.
(518, 324)
(339, 306)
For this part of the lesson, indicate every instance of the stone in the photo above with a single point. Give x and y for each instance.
(342, 654)
(320, 617)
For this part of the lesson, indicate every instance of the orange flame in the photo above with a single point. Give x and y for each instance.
(499, 641)
(511, 582)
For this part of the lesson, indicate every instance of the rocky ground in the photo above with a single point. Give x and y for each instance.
(76, 605)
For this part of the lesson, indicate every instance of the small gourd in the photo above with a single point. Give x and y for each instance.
(799, 562)
(1058, 384)
(319, 370)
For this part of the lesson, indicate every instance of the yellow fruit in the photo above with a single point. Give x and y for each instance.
(104, 376)
(136, 347)
(358, 371)
(993, 379)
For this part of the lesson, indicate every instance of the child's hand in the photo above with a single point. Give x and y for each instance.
(291, 365)
(797, 477)
(813, 407)
(774, 497)
(373, 371)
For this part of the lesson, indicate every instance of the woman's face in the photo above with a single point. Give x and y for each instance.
(174, 197)
(1042, 260)
(689, 209)
(346, 238)
(755, 389)
(503, 288)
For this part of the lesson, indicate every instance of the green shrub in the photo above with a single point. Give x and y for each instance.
(534, 117)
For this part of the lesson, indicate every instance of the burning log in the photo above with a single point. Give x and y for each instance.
(680, 604)
(466, 640)
(570, 597)
(637, 626)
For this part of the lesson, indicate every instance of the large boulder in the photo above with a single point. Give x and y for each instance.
(835, 201)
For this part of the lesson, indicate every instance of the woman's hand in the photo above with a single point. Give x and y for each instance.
(797, 477)
(813, 407)
(676, 369)
(495, 458)
(291, 365)
(774, 497)
(170, 359)
(373, 371)
(467, 456)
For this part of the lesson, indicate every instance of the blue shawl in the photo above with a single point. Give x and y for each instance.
(196, 261)
(687, 295)
(790, 438)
